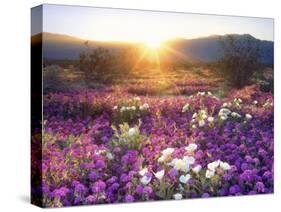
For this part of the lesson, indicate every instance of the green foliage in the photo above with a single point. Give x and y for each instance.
(240, 60)
(126, 137)
(96, 64)
(130, 110)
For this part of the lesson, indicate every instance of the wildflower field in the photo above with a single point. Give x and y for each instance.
(155, 138)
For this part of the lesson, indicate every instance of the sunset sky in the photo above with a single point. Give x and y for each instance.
(143, 26)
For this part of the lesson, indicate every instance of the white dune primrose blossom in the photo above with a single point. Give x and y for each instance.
(248, 116)
(210, 173)
(197, 169)
(184, 178)
(145, 180)
(185, 107)
(161, 159)
(210, 119)
(213, 165)
(177, 196)
(191, 147)
(109, 156)
(143, 171)
(201, 123)
(225, 166)
(159, 175)
(122, 109)
(235, 115)
(168, 151)
(145, 106)
(194, 115)
(132, 132)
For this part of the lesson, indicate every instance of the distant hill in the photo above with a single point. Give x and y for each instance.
(205, 49)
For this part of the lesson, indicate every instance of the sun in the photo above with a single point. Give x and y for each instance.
(153, 43)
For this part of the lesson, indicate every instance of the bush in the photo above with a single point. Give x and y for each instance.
(240, 59)
(96, 64)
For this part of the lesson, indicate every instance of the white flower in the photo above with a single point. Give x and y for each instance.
(239, 100)
(133, 107)
(197, 169)
(145, 180)
(143, 171)
(194, 115)
(161, 159)
(210, 93)
(128, 108)
(132, 132)
(223, 117)
(141, 107)
(109, 156)
(168, 151)
(255, 102)
(172, 163)
(177, 196)
(159, 175)
(213, 165)
(184, 178)
(191, 147)
(179, 164)
(193, 126)
(189, 159)
(224, 111)
(224, 104)
(115, 107)
(225, 166)
(201, 123)
(248, 116)
(182, 165)
(122, 109)
(210, 119)
(145, 106)
(185, 107)
(209, 173)
(137, 98)
(235, 115)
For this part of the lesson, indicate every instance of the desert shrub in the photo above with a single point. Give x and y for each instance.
(96, 64)
(52, 80)
(240, 59)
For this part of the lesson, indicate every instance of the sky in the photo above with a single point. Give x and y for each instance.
(105, 24)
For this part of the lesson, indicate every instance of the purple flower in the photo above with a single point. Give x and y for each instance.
(129, 198)
(61, 192)
(234, 189)
(100, 164)
(139, 189)
(260, 187)
(93, 176)
(205, 195)
(90, 199)
(98, 186)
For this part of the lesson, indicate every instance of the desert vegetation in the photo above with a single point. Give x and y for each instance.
(127, 126)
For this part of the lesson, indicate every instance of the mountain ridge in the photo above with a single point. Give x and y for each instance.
(203, 49)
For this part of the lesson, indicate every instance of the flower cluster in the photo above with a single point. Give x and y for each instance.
(149, 150)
